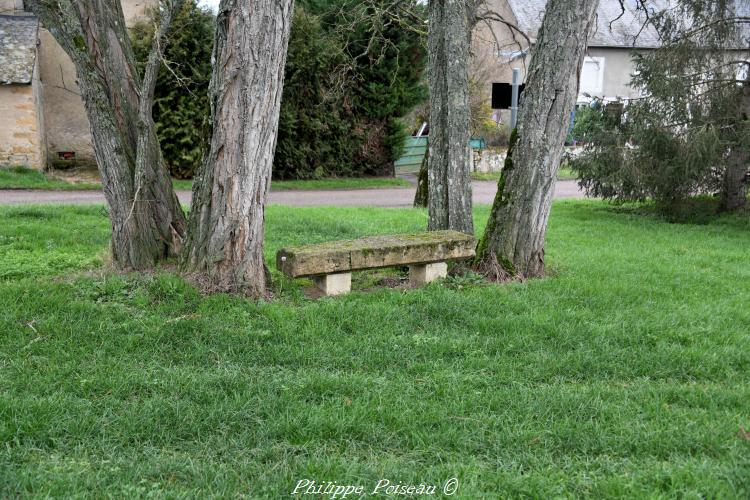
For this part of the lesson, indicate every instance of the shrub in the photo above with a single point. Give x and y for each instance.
(343, 96)
(181, 95)
(638, 158)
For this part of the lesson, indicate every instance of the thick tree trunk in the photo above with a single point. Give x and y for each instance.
(734, 188)
(150, 226)
(513, 242)
(225, 239)
(449, 37)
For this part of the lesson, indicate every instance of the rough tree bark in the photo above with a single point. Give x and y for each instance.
(145, 154)
(449, 184)
(225, 241)
(734, 188)
(513, 242)
(149, 226)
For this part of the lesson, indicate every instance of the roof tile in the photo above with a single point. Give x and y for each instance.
(18, 35)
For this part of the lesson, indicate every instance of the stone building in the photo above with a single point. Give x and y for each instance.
(21, 130)
(607, 67)
(42, 119)
(621, 31)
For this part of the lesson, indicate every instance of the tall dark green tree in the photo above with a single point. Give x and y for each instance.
(690, 134)
(315, 136)
(181, 95)
(350, 76)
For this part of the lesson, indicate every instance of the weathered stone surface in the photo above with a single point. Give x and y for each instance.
(19, 129)
(419, 274)
(334, 284)
(17, 48)
(489, 161)
(374, 252)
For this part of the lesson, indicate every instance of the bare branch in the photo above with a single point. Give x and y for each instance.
(168, 9)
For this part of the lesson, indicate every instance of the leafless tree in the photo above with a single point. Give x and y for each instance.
(147, 221)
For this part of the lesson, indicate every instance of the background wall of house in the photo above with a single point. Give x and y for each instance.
(618, 66)
(135, 9)
(490, 44)
(612, 50)
(65, 122)
(36, 87)
(11, 6)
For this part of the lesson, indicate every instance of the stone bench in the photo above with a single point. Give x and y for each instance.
(331, 264)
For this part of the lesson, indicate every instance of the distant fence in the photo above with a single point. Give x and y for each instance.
(415, 149)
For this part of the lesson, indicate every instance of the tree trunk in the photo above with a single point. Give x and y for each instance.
(734, 188)
(149, 226)
(449, 37)
(422, 194)
(513, 242)
(225, 240)
(145, 154)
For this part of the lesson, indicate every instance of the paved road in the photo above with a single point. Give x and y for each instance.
(484, 192)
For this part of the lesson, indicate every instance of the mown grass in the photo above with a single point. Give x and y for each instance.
(25, 178)
(564, 174)
(20, 177)
(624, 374)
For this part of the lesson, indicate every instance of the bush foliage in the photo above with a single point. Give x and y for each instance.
(685, 136)
(181, 96)
(638, 158)
(345, 89)
(344, 92)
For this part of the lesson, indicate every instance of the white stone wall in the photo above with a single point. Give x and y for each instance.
(488, 160)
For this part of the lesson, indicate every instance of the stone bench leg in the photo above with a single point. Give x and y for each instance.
(419, 274)
(334, 284)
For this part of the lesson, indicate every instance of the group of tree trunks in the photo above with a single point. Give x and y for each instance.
(513, 241)
(223, 241)
(224, 238)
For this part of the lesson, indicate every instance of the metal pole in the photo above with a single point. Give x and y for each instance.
(514, 98)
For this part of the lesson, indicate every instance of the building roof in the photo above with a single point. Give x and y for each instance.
(627, 31)
(615, 27)
(18, 35)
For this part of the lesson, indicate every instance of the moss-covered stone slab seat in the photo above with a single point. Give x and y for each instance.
(425, 253)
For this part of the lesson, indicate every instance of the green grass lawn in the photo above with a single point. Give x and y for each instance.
(25, 178)
(626, 373)
(564, 174)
